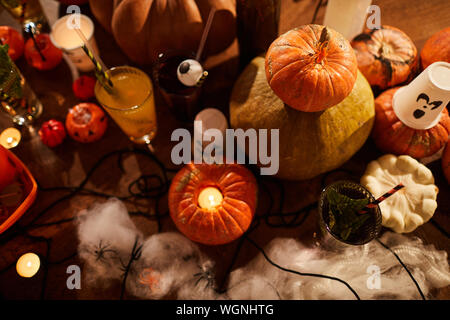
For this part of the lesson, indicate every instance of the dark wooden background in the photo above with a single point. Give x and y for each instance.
(67, 164)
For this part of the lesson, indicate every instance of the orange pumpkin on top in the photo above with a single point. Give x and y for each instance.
(311, 68)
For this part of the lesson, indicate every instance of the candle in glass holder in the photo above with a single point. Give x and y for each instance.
(209, 198)
(28, 265)
(10, 138)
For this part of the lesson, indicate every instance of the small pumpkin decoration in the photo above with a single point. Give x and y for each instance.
(393, 136)
(47, 57)
(8, 171)
(83, 87)
(86, 122)
(436, 48)
(228, 217)
(14, 40)
(311, 68)
(310, 143)
(387, 57)
(144, 28)
(446, 162)
(52, 133)
(409, 207)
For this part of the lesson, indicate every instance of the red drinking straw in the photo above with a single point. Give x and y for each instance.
(382, 198)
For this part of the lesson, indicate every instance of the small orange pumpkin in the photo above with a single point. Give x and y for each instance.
(86, 122)
(446, 162)
(387, 56)
(225, 222)
(437, 48)
(311, 68)
(392, 136)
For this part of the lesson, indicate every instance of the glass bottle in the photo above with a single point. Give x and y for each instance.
(257, 27)
(29, 14)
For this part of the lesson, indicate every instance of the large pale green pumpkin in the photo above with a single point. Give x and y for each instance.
(311, 143)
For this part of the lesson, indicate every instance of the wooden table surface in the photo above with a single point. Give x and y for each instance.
(68, 164)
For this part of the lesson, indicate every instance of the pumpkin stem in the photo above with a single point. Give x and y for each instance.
(323, 44)
(385, 50)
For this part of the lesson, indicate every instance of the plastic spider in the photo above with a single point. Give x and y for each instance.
(205, 274)
(101, 251)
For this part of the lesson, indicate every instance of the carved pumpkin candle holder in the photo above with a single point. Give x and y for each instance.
(213, 204)
(86, 122)
(413, 119)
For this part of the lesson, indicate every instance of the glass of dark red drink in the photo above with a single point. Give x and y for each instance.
(181, 99)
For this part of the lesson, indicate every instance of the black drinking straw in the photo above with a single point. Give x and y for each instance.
(31, 31)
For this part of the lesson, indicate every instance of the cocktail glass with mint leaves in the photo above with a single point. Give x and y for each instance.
(17, 99)
(340, 205)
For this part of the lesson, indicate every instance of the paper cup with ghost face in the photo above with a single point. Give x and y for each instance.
(419, 104)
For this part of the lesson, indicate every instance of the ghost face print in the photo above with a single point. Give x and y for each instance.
(425, 105)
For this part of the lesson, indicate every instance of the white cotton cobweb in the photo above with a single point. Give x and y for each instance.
(177, 265)
(168, 264)
(172, 266)
(106, 237)
(357, 265)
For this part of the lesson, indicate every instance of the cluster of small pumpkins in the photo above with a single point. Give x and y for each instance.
(317, 88)
(40, 53)
(85, 122)
(389, 59)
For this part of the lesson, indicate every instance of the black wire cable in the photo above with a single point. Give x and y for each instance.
(305, 274)
(316, 11)
(440, 228)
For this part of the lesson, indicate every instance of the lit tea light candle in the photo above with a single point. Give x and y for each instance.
(10, 138)
(209, 198)
(28, 265)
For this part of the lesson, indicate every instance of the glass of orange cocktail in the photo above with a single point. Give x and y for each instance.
(130, 102)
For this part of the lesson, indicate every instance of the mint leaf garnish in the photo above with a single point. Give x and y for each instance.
(344, 217)
(9, 81)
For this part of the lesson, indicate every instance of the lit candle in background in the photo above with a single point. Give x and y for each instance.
(10, 138)
(210, 198)
(28, 265)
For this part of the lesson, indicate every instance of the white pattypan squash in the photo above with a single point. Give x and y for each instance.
(409, 207)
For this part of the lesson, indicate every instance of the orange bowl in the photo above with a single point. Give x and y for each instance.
(29, 187)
